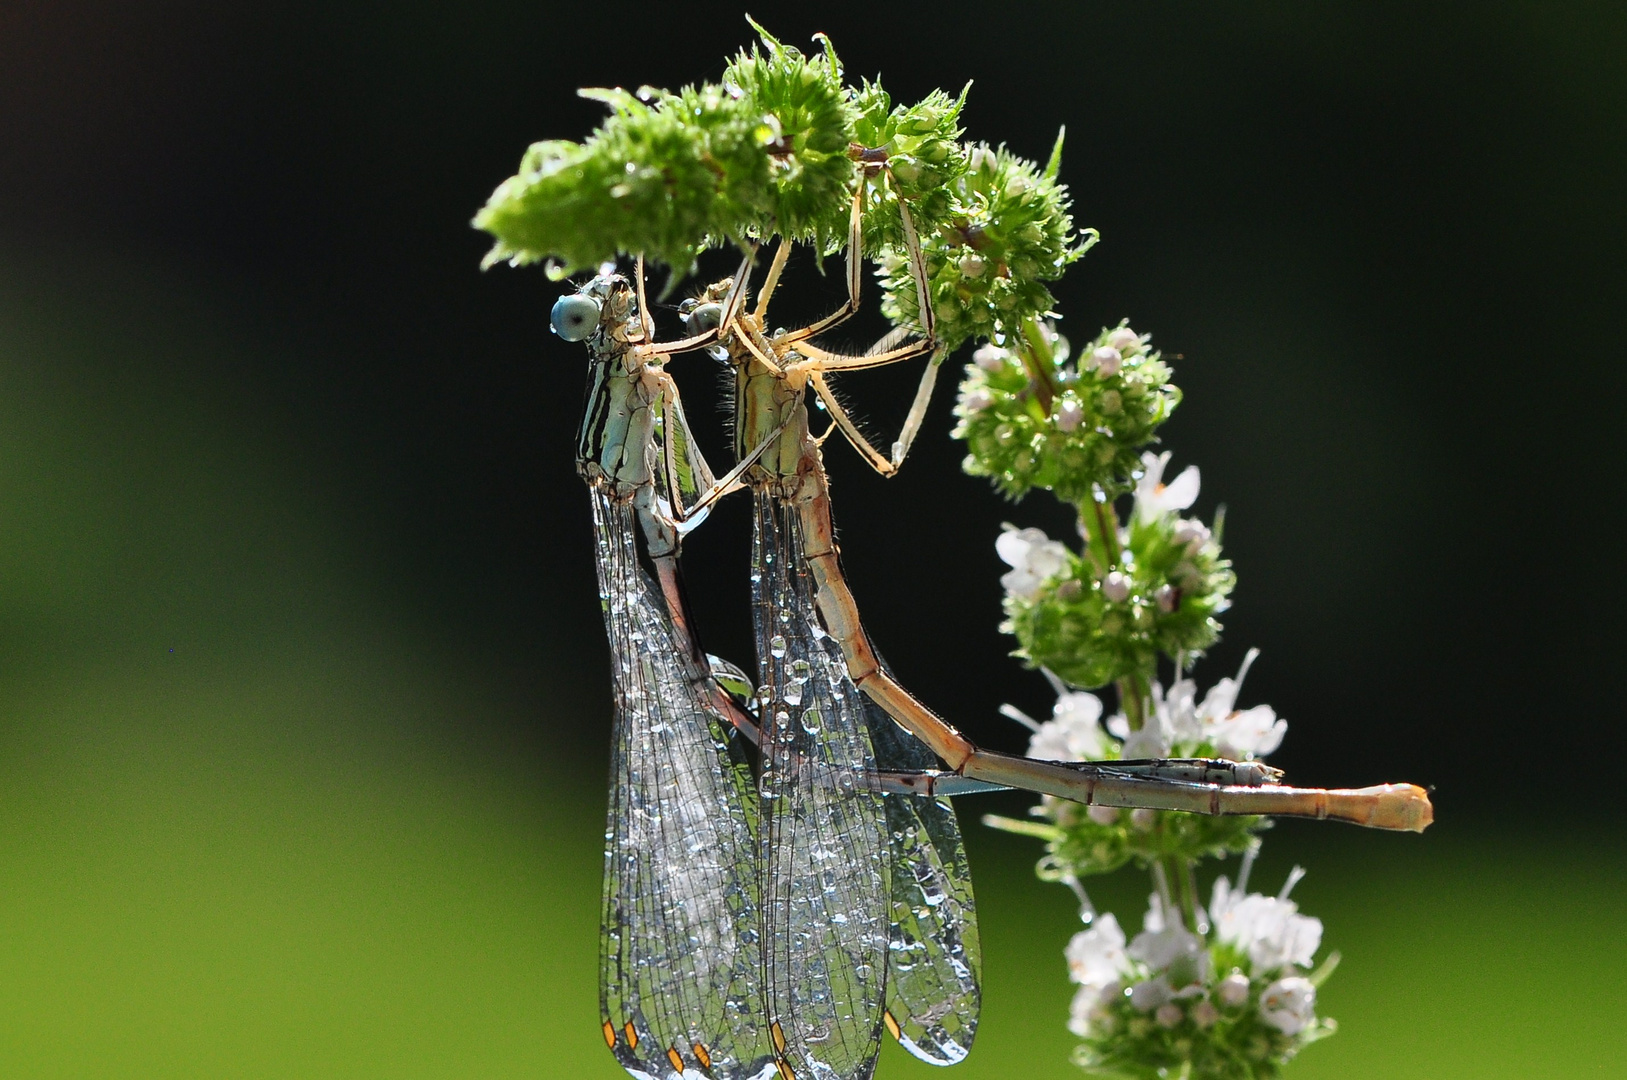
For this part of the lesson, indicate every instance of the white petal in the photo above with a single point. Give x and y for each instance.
(1233, 989)
(1289, 1005)
(1047, 559)
(1181, 492)
(1147, 996)
(1096, 956)
(1012, 545)
(1254, 732)
(1149, 742)
(1083, 1009)
(1124, 339)
(1020, 583)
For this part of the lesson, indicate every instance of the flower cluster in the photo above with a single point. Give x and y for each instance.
(1007, 232)
(1231, 1002)
(1082, 840)
(1033, 418)
(1220, 993)
(920, 145)
(774, 150)
(1166, 585)
(669, 174)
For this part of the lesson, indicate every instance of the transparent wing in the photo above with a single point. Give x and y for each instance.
(824, 877)
(935, 965)
(679, 989)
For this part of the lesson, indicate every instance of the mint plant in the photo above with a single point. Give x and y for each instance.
(1222, 990)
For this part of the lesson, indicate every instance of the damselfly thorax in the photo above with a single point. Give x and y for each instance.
(622, 406)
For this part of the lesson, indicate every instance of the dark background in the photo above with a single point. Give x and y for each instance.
(263, 381)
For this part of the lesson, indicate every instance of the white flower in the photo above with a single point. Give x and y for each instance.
(1204, 1014)
(1080, 1010)
(990, 357)
(1102, 815)
(976, 400)
(1124, 339)
(1253, 733)
(1268, 928)
(1096, 957)
(1148, 742)
(1178, 953)
(1070, 416)
(1153, 920)
(1166, 946)
(1177, 720)
(1233, 989)
(1193, 533)
(1091, 1008)
(1149, 995)
(1154, 497)
(1167, 722)
(1289, 1005)
(1105, 360)
(971, 266)
(1033, 557)
(1074, 731)
(1116, 587)
(1160, 949)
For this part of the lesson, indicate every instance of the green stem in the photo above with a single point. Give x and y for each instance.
(1182, 887)
(1099, 523)
(1133, 700)
(1034, 350)
(1195, 917)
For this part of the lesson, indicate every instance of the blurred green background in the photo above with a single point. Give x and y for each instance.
(303, 704)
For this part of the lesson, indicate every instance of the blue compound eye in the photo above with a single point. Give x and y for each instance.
(703, 318)
(575, 316)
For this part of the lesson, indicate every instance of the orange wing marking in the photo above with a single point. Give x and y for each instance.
(632, 1036)
(892, 1025)
(785, 1070)
(610, 1034)
(703, 1055)
(677, 1062)
(779, 1037)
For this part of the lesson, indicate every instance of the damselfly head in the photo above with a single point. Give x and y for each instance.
(575, 316)
(703, 317)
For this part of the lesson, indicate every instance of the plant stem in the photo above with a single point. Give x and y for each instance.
(1133, 700)
(1182, 886)
(1034, 350)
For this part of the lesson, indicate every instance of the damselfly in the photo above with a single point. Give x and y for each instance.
(679, 949)
(868, 914)
(771, 382)
(772, 374)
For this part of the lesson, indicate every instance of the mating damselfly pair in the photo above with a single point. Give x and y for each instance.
(777, 909)
(784, 876)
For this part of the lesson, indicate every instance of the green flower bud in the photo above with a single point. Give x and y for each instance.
(1013, 217)
(920, 144)
(810, 174)
(1101, 416)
